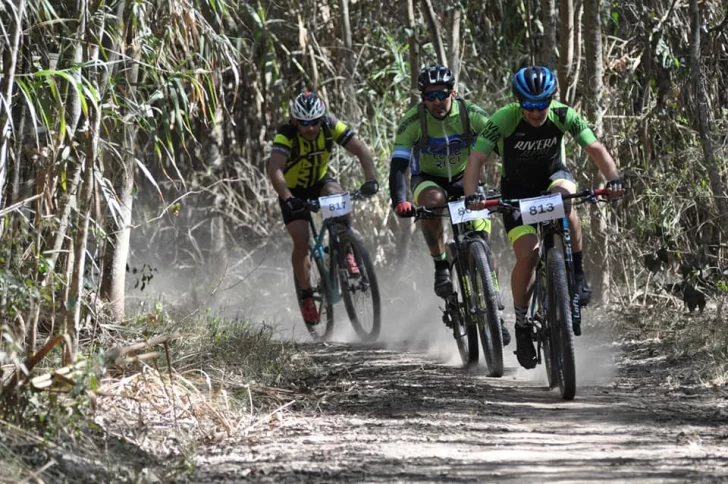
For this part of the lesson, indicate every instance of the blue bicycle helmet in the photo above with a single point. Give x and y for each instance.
(534, 83)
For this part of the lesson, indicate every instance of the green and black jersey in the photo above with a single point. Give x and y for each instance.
(530, 155)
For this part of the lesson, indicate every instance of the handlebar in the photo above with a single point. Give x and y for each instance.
(588, 195)
(314, 205)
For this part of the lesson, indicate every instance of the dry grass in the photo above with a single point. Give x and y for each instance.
(227, 378)
(700, 338)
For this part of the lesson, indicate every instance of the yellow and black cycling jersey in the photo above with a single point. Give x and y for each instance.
(308, 160)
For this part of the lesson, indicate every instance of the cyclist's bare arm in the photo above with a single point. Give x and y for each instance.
(276, 165)
(356, 147)
(604, 161)
(476, 160)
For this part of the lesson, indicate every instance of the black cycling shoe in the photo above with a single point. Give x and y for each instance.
(443, 283)
(506, 334)
(525, 351)
(583, 289)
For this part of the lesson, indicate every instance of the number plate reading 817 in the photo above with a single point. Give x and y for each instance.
(335, 205)
(459, 214)
(542, 209)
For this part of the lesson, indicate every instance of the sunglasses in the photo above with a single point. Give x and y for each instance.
(535, 106)
(312, 122)
(436, 95)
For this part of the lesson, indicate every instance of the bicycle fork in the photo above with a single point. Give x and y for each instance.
(569, 262)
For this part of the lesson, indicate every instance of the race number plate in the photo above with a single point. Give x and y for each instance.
(335, 205)
(459, 214)
(542, 209)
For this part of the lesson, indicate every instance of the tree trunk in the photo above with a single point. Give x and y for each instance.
(353, 110)
(74, 302)
(455, 42)
(74, 166)
(598, 259)
(414, 52)
(549, 48)
(566, 45)
(403, 227)
(7, 84)
(703, 118)
(118, 229)
(435, 31)
(578, 43)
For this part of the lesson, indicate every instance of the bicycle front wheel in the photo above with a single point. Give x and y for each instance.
(486, 308)
(360, 291)
(465, 333)
(320, 330)
(559, 320)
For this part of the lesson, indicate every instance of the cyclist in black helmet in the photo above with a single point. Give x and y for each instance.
(298, 169)
(433, 140)
(529, 135)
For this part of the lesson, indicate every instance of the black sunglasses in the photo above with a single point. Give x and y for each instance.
(436, 95)
(535, 106)
(309, 122)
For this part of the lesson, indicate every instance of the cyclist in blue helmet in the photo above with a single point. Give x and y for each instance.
(529, 137)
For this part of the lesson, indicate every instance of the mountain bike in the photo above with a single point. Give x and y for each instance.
(330, 276)
(555, 312)
(473, 307)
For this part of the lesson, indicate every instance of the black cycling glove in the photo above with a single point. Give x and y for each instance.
(616, 186)
(470, 199)
(369, 188)
(297, 206)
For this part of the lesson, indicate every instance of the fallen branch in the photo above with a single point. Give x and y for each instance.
(115, 355)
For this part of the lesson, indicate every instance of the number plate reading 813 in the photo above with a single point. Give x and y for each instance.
(542, 209)
(459, 214)
(335, 205)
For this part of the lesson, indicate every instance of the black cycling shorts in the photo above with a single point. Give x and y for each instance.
(513, 189)
(453, 187)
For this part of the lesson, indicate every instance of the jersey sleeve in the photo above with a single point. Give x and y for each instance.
(499, 126)
(408, 133)
(341, 133)
(283, 140)
(478, 116)
(578, 128)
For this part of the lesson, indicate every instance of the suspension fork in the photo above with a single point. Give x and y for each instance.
(570, 276)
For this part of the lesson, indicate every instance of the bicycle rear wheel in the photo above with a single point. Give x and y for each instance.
(486, 308)
(360, 292)
(321, 330)
(559, 320)
(459, 304)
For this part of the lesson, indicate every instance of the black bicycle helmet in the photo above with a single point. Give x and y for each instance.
(435, 75)
(534, 83)
(308, 106)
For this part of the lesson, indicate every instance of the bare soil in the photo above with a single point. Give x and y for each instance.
(393, 413)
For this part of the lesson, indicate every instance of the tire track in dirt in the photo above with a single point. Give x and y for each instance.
(381, 415)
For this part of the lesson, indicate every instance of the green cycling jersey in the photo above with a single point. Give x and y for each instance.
(445, 153)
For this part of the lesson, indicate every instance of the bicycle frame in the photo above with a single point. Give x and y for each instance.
(317, 250)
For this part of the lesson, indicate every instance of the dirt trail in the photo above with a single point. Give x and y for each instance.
(382, 415)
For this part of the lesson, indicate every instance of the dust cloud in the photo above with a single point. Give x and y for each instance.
(257, 285)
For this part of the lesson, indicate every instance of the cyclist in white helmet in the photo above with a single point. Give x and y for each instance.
(298, 169)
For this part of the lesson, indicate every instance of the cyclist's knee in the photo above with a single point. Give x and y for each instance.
(526, 250)
(431, 195)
